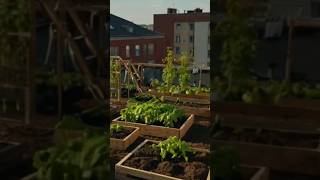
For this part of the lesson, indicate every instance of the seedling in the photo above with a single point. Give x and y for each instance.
(115, 128)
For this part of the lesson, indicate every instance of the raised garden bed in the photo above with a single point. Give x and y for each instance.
(281, 150)
(123, 139)
(268, 116)
(200, 99)
(160, 131)
(143, 163)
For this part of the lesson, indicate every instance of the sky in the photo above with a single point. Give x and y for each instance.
(141, 11)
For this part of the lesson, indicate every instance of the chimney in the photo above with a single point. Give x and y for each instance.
(172, 11)
(198, 10)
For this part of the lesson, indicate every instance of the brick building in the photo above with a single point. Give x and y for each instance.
(186, 32)
(131, 41)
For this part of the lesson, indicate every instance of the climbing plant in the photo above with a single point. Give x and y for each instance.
(184, 73)
(169, 72)
(239, 43)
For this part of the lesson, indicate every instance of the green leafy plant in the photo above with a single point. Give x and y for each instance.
(152, 112)
(184, 72)
(81, 160)
(239, 44)
(169, 72)
(173, 148)
(115, 128)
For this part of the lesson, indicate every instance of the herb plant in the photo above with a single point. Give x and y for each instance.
(173, 148)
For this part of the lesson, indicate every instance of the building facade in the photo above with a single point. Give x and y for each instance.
(187, 32)
(133, 42)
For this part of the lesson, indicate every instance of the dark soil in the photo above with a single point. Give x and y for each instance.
(270, 137)
(178, 124)
(148, 159)
(123, 134)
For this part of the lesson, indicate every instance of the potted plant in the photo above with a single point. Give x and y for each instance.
(169, 159)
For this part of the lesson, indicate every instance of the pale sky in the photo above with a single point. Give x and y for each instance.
(141, 11)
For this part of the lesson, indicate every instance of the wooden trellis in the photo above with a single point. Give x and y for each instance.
(20, 79)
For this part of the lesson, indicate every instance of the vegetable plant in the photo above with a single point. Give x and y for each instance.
(115, 128)
(152, 112)
(173, 148)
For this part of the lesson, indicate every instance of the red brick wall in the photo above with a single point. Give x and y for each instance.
(164, 23)
(159, 49)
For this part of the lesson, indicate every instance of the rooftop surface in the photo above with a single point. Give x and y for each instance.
(120, 27)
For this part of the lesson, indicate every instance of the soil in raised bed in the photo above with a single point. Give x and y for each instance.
(146, 158)
(126, 131)
(270, 137)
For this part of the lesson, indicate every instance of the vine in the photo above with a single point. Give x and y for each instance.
(169, 72)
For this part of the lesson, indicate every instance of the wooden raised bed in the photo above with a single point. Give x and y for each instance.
(286, 158)
(159, 131)
(202, 99)
(197, 111)
(128, 173)
(268, 116)
(123, 144)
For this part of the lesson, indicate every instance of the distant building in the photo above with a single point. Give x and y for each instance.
(131, 41)
(186, 32)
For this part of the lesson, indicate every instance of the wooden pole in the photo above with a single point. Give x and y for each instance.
(289, 52)
(30, 103)
(60, 60)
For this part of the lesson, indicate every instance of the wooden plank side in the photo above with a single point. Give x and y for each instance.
(275, 123)
(287, 159)
(159, 131)
(125, 170)
(123, 144)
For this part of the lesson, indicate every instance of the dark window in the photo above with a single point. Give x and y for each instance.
(191, 25)
(177, 50)
(137, 50)
(150, 49)
(178, 39)
(114, 51)
(191, 39)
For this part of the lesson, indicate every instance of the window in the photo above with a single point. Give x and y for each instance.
(177, 50)
(150, 49)
(145, 49)
(191, 25)
(114, 51)
(127, 51)
(137, 50)
(177, 38)
(191, 39)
